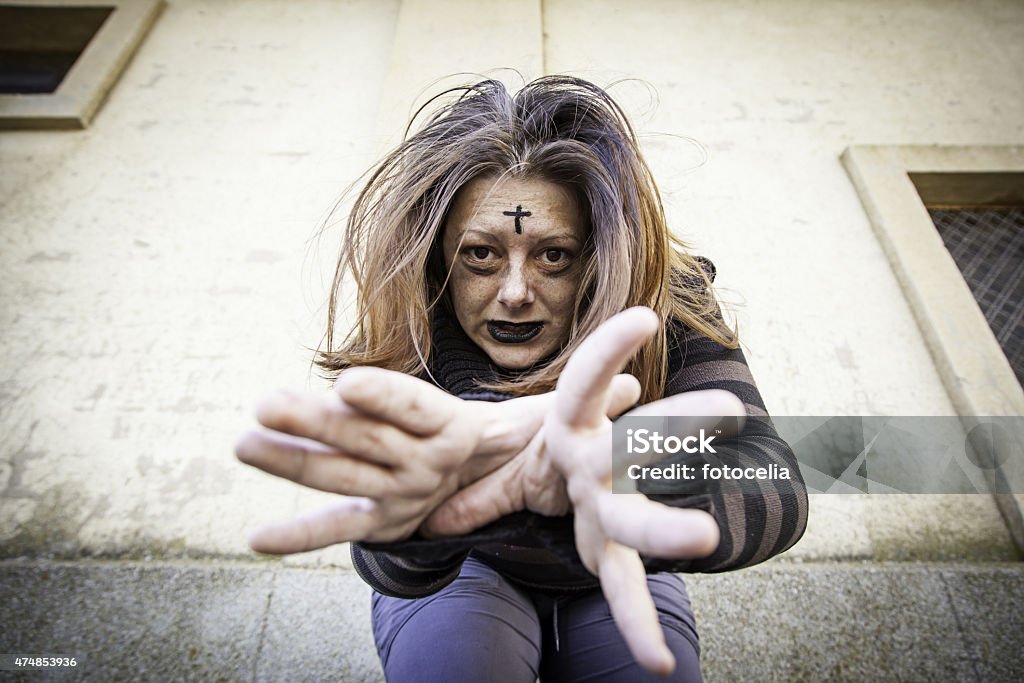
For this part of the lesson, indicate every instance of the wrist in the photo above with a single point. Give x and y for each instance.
(511, 424)
(579, 491)
(501, 431)
(497, 430)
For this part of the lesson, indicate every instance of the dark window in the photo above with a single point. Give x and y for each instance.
(39, 45)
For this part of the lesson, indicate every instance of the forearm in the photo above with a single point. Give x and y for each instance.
(757, 519)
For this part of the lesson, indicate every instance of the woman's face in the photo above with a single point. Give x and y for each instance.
(514, 248)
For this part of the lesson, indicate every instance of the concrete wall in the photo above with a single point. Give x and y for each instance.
(775, 91)
(160, 272)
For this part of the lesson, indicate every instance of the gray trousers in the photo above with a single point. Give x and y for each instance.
(483, 628)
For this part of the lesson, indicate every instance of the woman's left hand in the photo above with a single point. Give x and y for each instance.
(570, 464)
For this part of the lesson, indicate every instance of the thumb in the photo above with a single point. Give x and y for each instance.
(623, 393)
(485, 500)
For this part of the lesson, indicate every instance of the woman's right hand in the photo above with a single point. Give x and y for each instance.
(392, 445)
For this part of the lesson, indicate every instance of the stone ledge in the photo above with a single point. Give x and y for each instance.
(250, 621)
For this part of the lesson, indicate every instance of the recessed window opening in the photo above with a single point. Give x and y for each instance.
(903, 187)
(39, 45)
(980, 218)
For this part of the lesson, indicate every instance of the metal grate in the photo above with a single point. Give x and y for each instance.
(988, 247)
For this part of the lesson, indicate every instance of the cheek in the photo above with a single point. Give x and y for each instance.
(560, 294)
(470, 292)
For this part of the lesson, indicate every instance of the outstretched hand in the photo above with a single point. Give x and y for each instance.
(392, 445)
(569, 464)
(611, 530)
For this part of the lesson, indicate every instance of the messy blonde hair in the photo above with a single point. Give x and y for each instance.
(561, 129)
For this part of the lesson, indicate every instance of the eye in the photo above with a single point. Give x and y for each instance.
(480, 257)
(554, 255)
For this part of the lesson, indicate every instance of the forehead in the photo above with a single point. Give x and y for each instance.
(482, 204)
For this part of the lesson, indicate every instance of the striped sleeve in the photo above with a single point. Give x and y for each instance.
(757, 518)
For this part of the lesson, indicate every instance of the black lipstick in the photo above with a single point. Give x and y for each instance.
(513, 333)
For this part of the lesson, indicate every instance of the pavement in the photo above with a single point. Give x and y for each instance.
(236, 621)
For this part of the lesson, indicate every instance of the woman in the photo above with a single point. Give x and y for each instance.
(494, 255)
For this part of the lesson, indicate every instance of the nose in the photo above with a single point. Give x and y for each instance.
(515, 291)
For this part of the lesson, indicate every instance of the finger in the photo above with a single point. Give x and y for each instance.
(327, 419)
(716, 412)
(623, 394)
(657, 530)
(624, 584)
(583, 384)
(313, 464)
(409, 403)
(709, 403)
(480, 503)
(351, 519)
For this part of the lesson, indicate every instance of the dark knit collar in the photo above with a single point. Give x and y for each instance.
(459, 366)
(456, 363)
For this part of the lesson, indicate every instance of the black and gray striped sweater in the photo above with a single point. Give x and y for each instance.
(757, 521)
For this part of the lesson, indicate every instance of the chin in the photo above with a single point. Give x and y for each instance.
(516, 362)
(513, 359)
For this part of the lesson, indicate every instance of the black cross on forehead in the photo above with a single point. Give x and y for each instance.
(518, 213)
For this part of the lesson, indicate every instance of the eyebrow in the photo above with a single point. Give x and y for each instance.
(546, 238)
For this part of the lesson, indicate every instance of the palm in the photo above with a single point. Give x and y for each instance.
(611, 530)
(393, 446)
(568, 465)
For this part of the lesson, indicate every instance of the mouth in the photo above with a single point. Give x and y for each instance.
(513, 333)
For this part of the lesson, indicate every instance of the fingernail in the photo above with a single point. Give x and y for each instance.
(272, 401)
(349, 381)
(256, 539)
(667, 665)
